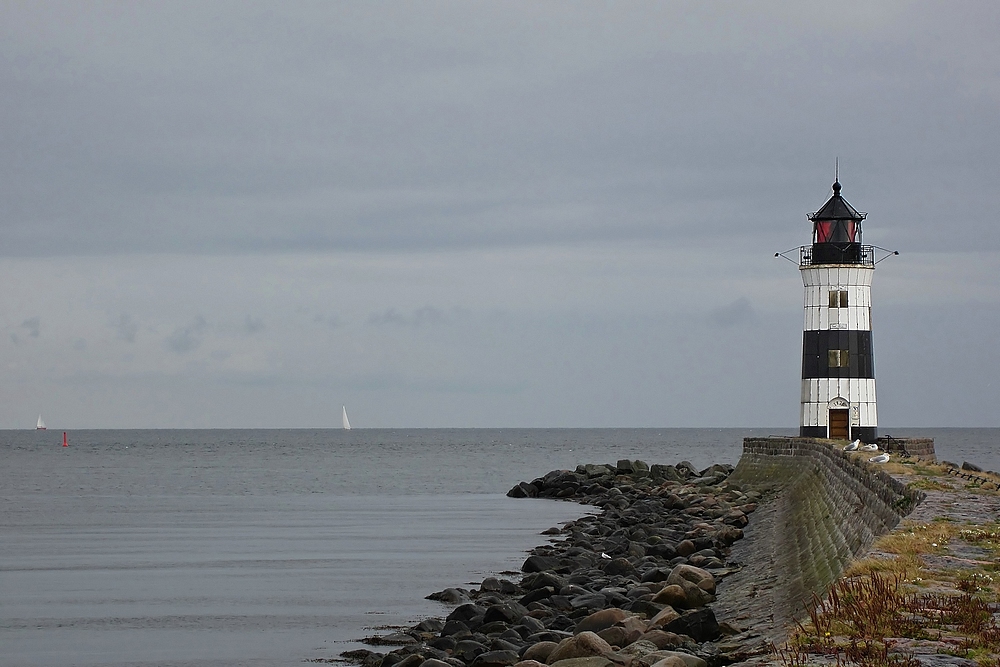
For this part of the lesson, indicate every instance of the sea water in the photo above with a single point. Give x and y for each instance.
(271, 547)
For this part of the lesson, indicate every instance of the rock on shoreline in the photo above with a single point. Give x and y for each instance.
(629, 586)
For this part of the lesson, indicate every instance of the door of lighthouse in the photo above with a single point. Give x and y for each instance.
(840, 424)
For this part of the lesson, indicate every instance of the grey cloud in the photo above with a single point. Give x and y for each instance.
(252, 325)
(126, 328)
(79, 344)
(392, 137)
(421, 316)
(33, 325)
(332, 321)
(187, 338)
(738, 312)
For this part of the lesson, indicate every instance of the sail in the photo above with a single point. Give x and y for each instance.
(347, 423)
(41, 425)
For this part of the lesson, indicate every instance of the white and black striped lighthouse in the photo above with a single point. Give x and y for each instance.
(838, 366)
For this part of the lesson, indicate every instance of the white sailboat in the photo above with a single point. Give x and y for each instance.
(41, 425)
(347, 423)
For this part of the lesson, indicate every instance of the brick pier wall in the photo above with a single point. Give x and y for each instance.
(820, 509)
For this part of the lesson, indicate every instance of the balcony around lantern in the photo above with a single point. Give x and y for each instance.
(836, 253)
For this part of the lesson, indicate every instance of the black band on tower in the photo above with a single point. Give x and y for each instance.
(817, 361)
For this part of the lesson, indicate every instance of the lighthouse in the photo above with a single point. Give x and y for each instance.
(838, 367)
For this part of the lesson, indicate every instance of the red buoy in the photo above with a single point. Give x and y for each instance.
(65, 443)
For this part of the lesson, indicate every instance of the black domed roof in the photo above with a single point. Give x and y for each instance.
(837, 208)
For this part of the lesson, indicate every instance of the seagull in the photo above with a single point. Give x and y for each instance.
(853, 446)
(869, 448)
(881, 458)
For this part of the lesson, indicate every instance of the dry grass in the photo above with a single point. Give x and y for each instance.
(917, 538)
(863, 617)
(908, 566)
(930, 485)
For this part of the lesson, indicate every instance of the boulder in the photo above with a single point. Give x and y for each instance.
(635, 626)
(685, 548)
(496, 659)
(665, 472)
(728, 534)
(672, 595)
(450, 596)
(699, 577)
(395, 639)
(616, 635)
(662, 639)
(655, 574)
(491, 585)
(454, 627)
(591, 470)
(669, 661)
(434, 662)
(363, 657)
(601, 620)
(443, 643)
(687, 469)
(468, 650)
(689, 660)
(530, 624)
(735, 518)
(664, 617)
(542, 579)
(523, 490)
(536, 595)
(535, 563)
(508, 612)
(639, 648)
(509, 639)
(429, 625)
(583, 645)
(539, 651)
(699, 624)
(620, 567)
(466, 612)
(594, 661)
(645, 607)
(554, 636)
(589, 601)
(493, 628)
(412, 660)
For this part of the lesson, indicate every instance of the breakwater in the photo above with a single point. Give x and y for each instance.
(671, 572)
(821, 509)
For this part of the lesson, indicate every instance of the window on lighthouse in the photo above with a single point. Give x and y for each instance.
(838, 298)
(839, 359)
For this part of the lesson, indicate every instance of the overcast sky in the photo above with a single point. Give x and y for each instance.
(236, 214)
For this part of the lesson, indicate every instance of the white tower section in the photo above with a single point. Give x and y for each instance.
(837, 349)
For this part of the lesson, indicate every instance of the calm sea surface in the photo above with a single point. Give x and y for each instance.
(270, 547)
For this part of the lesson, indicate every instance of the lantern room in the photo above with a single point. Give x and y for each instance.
(837, 232)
